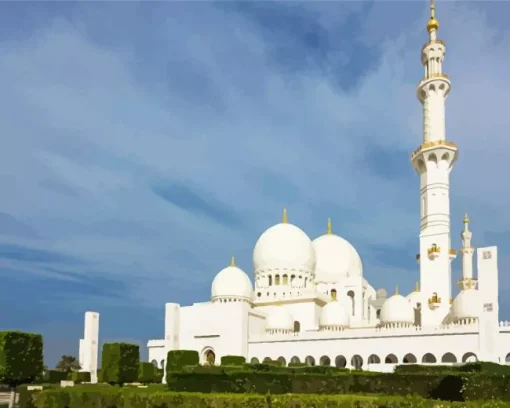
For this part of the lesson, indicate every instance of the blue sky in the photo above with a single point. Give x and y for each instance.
(145, 143)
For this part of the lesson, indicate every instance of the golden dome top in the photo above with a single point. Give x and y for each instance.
(433, 24)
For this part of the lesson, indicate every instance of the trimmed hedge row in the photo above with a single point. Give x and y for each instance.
(114, 397)
(478, 367)
(13, 369)
(233, 360)
(465, 387)
(120, 363)
(177, 359)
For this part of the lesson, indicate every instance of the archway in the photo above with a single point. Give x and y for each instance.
(282, 361)
(154, 363)
(410, 359)
(357, 362)
(295, 360)
(266, 360)
(210, 357)
(340, 362)
(429, 358)
(374, 359)
(448, 358)
(309, 360)
(325, 361)
(391, 359)
(507, 358)
(162, 364)
(254, 360)
(469, 358)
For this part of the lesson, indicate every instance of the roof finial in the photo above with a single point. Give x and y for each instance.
(285, 216)
(396, 290)
(233, 261)
(330, 227)
(417, 287)
(433, 24)
(466, 218)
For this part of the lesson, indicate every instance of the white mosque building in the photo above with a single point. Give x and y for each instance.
(311, 304)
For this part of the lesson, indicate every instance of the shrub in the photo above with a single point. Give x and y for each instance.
(15, 370)
(114, 397)
(80, 376)
(233, 360)
(120, 363)
(158, 375)
(146, 373)
(177, 359)
(55, 376)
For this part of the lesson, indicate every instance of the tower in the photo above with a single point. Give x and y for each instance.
(467, 251)
(89, 346)
(433, 160)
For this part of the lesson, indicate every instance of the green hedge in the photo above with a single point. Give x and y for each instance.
(120, 363)
(55, 376)
(233, 360)
(79, 376)
(460, 387)
(177, 359)
(114, 397)
(13, 369)
(146, 373)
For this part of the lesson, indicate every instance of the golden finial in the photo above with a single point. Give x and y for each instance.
(285, 216)
(396, 290)
(417, 287)
(233, 261)
(433, 24)
(330, 227)
(466, 218)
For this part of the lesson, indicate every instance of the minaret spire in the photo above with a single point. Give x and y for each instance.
(433, 160)
(467, 251)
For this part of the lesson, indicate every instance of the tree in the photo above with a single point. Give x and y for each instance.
(68, 364)
(120, 363)
(21, 359)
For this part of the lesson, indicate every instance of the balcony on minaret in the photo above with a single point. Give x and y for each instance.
(434, 251)
(434, 301)
(467, 283)
(452, 254)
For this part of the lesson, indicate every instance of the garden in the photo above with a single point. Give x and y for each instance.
(125, 381)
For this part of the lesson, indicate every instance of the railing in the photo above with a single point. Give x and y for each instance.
(427, 145)
(441, 42)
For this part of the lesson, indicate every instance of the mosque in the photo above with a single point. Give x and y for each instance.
(311, 304)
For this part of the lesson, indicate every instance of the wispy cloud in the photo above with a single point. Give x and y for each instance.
(153, 140)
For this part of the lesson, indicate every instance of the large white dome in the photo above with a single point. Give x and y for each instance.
(334, 315)
(415, 297)
(232, 283)
(284, 246)
(279, 319)
(397, 310)
(336, 258)
(466, 305)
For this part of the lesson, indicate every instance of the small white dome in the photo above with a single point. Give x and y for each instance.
(279, 318)
(414, 298)
(284, 246)
(397, 309)
(232, 283)
(466, 305)
(336, 259)
(335, 314)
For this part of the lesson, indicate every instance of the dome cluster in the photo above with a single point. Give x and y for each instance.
(335, 316)
(466, 306)
(287, 252)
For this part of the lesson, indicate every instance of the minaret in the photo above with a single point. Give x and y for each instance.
(467, 251)
(433, 161)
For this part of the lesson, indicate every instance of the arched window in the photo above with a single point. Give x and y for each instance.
(333, 294)
(297, 327)
(277, 279)
(285, 280)
(351, 295)
(270, 280)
